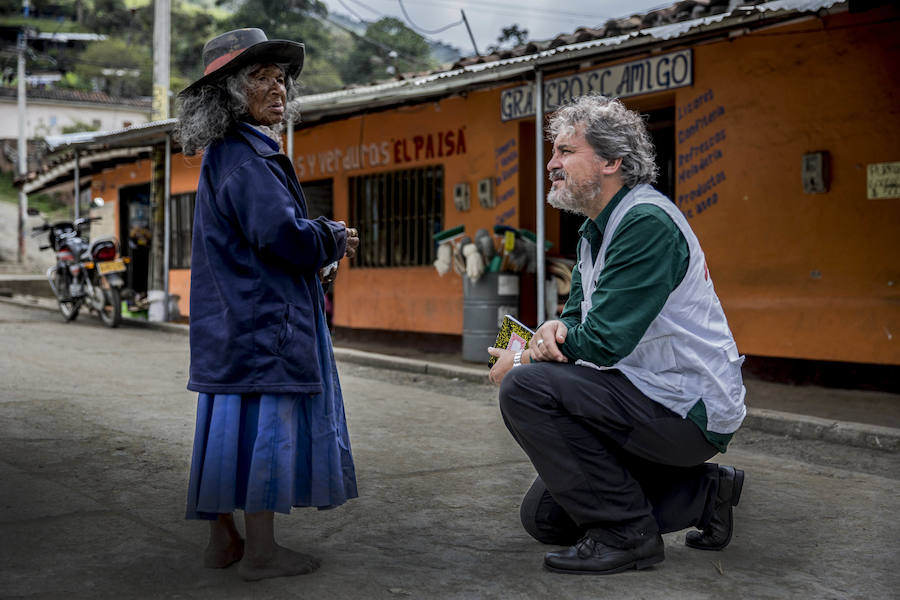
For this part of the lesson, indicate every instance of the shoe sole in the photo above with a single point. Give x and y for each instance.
(643, 563)
(736, 487)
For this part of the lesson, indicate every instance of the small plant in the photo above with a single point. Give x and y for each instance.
(50, 205)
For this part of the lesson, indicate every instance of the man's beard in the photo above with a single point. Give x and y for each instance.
(575, 197)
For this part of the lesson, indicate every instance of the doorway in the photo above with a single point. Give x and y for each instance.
(134, 233)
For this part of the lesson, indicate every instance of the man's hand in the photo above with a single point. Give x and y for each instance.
(352, 240)
(502, 366)
(544, 344)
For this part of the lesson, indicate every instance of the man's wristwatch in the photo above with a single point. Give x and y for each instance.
(517, 358)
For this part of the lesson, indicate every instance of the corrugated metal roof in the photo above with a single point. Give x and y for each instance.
(489, 70)
(79, 96)
(145, 133)
(639, 32)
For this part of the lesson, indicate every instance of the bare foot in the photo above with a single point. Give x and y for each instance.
(283, 562)
(220, 556)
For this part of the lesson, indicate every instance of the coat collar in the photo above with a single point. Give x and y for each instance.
(259, 142)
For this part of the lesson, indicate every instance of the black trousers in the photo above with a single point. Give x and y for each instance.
(608, 458)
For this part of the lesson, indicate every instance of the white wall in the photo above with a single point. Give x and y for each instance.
(45, 117)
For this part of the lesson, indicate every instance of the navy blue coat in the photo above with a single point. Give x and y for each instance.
(255, 258)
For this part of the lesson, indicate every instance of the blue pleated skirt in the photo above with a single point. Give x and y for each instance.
(271, 452)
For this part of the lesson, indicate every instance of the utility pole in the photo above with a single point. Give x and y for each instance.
(23, 140)
(161, 43)
(156, 286)
(469, 29)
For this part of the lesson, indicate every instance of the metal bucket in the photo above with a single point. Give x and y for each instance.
(485, 302)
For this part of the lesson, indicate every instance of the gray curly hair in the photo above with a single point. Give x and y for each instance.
(206, 114)
(613, 132)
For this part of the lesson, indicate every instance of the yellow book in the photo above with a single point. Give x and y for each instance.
(513, 335)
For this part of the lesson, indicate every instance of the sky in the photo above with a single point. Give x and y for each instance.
(543, 19)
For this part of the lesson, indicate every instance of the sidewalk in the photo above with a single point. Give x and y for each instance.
(859, 418)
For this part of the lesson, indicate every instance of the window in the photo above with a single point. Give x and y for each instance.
(318, 196)
(181, 224)
(397, 214)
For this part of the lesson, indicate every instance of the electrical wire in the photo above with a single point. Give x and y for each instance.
(504, 8)
(369, 8)
(376, 43)
(426, 31)
(351, 11)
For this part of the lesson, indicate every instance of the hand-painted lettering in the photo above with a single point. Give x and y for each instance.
(641, 76)
(503, 218)
(350, 158)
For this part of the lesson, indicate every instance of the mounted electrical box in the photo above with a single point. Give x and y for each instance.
(815, 173)
(461, 196)
(486, 192)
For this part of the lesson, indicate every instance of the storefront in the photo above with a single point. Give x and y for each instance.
(776, 135)
(776, 141)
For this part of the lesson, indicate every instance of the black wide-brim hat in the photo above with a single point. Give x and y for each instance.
(227, 53)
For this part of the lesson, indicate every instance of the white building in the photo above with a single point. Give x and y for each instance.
(48, 111)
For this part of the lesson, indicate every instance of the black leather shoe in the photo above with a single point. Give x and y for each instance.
(591, 557)
(717, 534)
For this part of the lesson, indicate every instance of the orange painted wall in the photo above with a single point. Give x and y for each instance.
(185, 176)
(414, 298)
(800, 275)
(106, 184)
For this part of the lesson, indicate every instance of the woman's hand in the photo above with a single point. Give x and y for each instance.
(352, 240)
(544, 344)
(328, 273)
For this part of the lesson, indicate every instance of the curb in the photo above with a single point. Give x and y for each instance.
(848, 433)
(411, 365)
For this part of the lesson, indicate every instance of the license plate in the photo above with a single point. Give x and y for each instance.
(111, 266)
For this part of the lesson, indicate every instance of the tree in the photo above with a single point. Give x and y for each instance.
(511, 37)
(117, 68)
(388, 47)
(297, 20)
(113, 17)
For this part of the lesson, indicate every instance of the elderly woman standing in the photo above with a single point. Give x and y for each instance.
(271, 432)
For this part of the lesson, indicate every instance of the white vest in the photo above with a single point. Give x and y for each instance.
(688, 353)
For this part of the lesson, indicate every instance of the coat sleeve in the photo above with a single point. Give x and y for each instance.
(258, 200)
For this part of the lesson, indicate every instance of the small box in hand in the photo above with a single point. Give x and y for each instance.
(513, 335)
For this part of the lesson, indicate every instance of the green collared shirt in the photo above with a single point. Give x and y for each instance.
(645, 261)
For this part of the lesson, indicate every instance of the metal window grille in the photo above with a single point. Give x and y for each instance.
(397, 213)
(181, 213)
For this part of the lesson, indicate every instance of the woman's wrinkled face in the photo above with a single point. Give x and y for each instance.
(267, 95)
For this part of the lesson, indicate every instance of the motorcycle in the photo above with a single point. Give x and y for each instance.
(86, 273)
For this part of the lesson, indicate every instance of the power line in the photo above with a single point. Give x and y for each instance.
(376, 43)
(505, 8)
(426, 31)
(351, 11)
(367, 7)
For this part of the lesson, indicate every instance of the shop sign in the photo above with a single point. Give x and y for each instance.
(644, 76)
(883, 180)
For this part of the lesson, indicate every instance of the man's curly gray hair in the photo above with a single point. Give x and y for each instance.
(206, 114)
(613, 132)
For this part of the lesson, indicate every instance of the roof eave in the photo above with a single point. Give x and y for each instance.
(319, 106)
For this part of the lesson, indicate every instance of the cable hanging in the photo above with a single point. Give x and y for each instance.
(426, 31)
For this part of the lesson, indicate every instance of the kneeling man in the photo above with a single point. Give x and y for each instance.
(620, 402)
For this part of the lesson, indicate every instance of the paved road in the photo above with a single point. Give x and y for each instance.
(95, 436)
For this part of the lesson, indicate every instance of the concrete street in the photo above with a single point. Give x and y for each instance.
(96, 430)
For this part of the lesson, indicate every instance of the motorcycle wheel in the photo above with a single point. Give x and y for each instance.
(68, 308)
(111, 313)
